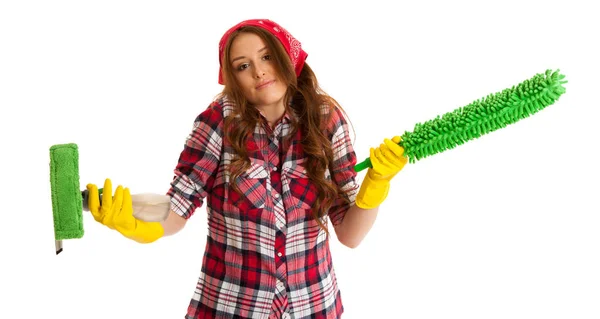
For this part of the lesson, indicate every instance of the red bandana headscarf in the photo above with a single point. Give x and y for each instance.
(291, 45)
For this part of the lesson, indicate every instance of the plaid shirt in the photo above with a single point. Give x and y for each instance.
(266, 257)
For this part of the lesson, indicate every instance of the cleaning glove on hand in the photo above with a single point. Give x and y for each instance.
(386, 161)
(117, 213)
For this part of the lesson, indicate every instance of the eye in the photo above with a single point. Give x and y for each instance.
(267, 57)
(242, 66)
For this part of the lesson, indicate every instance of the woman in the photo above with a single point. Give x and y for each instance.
(272, 159)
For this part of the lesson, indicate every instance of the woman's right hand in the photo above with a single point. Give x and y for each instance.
(117, 213)
(102, 213)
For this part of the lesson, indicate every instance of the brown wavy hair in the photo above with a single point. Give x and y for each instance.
(305, 98)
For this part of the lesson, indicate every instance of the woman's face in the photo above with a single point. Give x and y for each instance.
(255, 71)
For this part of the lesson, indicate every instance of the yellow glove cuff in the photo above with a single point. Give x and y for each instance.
(372, 191)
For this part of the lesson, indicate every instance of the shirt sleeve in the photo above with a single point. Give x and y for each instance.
(198, 162)
(342, 168)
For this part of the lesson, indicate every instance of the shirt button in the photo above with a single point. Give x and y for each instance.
(276, 195)
(286, 316)
(279, 254)
(274, 169)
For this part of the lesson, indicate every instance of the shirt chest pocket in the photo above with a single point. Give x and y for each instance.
(252, 185)
(302, 191)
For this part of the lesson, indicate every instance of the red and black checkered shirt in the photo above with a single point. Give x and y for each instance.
(266, 257)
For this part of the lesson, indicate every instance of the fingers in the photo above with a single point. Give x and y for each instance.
(379, 162)
(388, 158)
(111, 212)
(117, 204)
(393, 153)
(93, 200)
(126, 209)
(107, 194)
(374, 159)
(116, 210)
(124, 221)
(394, 147)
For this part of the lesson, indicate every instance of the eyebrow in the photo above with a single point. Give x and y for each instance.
(241, 57)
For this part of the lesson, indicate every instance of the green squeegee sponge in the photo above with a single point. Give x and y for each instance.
(66, 196)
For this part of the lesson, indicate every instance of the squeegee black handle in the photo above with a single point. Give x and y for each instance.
(85, 195)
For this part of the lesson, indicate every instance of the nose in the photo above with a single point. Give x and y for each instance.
(259, 72)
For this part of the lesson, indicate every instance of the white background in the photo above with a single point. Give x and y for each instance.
(505, 226)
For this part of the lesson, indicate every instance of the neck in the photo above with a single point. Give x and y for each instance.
(272, 112)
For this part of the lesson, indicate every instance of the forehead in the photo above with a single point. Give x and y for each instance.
(246, 43)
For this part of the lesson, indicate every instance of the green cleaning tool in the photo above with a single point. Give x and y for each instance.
(69, 202)
(482, 116)
(67, 206)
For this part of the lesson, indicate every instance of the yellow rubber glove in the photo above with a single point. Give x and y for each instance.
(386, 161)
(117, 213)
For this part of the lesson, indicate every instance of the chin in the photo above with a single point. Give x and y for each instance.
(270, 99)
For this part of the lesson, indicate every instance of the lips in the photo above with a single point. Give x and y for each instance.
(264, 84)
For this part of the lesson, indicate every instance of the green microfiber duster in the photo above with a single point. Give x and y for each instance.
(66, 197)
(480, 117)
